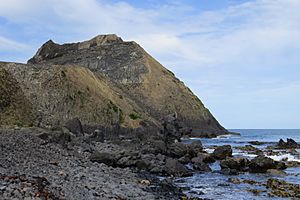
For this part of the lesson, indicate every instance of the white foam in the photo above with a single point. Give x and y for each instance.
(242, 154)
(287, 157)
(224, 136)
(209, 150)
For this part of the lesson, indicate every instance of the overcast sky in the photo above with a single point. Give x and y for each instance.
(240, 57)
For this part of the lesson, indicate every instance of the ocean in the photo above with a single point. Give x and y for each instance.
(213, 185)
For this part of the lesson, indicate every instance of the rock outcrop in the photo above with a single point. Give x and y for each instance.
(104, 81)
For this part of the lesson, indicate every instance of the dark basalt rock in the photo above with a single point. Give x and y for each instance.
(261, 164)
(175, 168)
(206, 157)
(200, 165)
(195, 148)
(74, 126)
(178, 149)
(239, 164)
(280, 188)
(257, 143)
(97, 136)
(103, 157)
(172, 129)
(289, 144)
(222, 152)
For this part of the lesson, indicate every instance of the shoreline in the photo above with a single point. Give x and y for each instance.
(80, 166)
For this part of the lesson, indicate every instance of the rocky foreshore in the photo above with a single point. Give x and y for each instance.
(68, 163)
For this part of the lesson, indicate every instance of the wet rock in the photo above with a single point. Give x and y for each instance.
(227, 171)
(195, 147)
(292, 164)
(240, 164)
(261, 164)
(276, 172)
(281, 188)
(289, 144)
(234, 180)
(280, 165)
(74, 126)
(251, 149)
(206, 157)
(257, 143)
(256, 192)
(222, 152)
(175, 168)
(200, 165)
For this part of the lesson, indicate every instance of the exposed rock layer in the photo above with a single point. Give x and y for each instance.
(104, 81)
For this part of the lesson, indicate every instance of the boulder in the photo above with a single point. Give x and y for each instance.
(200, 165)
(184, 160)
(206, 157)
(97, 136)
(261, 164)
(104, 157)
(75, 126)
(195, 147)
(289, 144)
(251, 149)
(276, 172)
(157, 147)
(257, 142)
(177, 149)
(240, 164)
(175, 168)
(222, 152)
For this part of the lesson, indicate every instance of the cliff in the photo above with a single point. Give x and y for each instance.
(103, 81)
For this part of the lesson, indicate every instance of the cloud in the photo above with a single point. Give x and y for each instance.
(172, 31)
(243, 49)
(10, 45)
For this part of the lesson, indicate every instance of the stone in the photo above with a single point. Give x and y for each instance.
(206, 157)
(222, 152)
(289, 144)
(276, 172)
(256, 143)
(175, 168)
(234, 180)
(75, 126)
(251, 149)
(103, 157)
(97, 136)
(261, 164)
(178, 149)
(202, 167)
(240, 164)
(282, 188)
(195, 148)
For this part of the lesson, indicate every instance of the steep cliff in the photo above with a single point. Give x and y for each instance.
(105, 81)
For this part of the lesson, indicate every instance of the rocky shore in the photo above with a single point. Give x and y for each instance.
(68, 163)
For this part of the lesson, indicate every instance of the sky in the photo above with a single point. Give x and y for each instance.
(240, 57)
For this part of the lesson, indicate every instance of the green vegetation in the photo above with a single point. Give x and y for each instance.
(14, 107)
(134, 116)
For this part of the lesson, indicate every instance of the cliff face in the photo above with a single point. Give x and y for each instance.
(105, 81)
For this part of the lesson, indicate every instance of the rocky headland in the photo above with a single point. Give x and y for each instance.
(102, 119)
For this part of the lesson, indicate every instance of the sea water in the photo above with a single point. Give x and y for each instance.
(214, 185)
